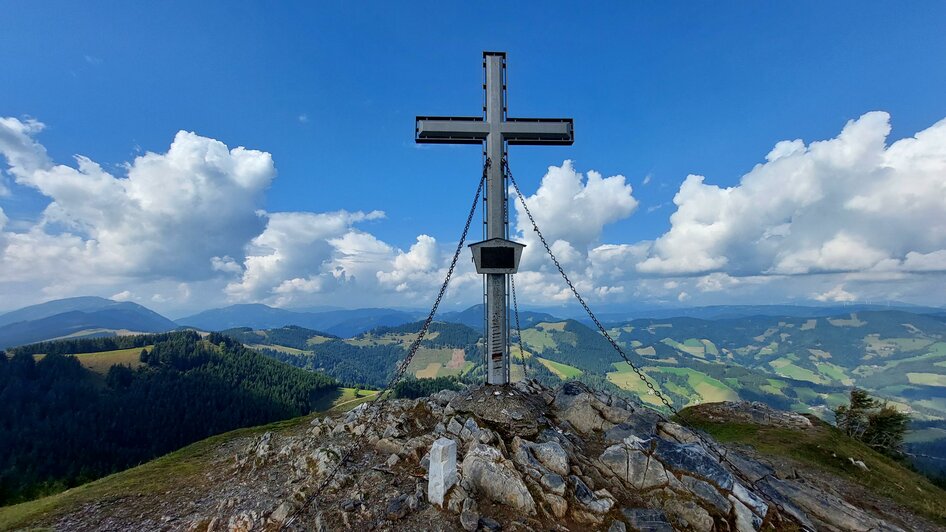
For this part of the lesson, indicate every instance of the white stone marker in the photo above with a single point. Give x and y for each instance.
(442, 471)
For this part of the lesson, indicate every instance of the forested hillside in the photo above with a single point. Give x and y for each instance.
(62, 424)
(449, 350)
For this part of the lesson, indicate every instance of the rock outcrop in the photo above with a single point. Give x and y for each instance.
(527, 458)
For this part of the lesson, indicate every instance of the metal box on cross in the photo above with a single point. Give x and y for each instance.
(496, 256)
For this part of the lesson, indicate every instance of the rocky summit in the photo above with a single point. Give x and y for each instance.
(520, 457)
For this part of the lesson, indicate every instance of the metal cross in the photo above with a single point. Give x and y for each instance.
(496, 130)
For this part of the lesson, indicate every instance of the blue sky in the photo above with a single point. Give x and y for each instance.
(330, 90)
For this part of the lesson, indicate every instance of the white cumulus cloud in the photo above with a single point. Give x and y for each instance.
(851, 203)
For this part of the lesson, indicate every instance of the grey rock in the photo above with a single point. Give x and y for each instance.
(470, 521)
(496, 478)
(281, 513)
(398, 508)
(617, 526)
(669, 430)
(552, 456)
(454, 426)
(746, 521)
(751, 500)
(694, 460)
(754, 412)
(580, 408)
(647, 520)
(557, 504)
(470, 424)
(594, 502)
(828, 509)
(707, 493)
(634, 467)
(752, 469)
(490, 524)
(689, 514)
(553, 482)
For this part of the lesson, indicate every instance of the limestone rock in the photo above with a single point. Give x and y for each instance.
(496, 478)
(557, 504)
(828, 509)
(634, 467)
(647, 519)
(692, 459)
(580, 408)
(746, 521)
(689, 514)
(442, 472)
(552, 456)
(553, 483)
(707, 493)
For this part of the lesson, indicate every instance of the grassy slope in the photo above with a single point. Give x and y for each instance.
(162, 474)
(563, 371)
(825, 448)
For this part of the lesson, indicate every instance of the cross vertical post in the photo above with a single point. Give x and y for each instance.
(496, 257)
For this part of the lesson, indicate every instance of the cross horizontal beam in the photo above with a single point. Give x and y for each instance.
(473, 130)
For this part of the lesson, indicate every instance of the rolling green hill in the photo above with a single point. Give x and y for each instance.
(72, 413)
(449, 350)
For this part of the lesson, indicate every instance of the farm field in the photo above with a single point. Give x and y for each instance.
(563, 371)
(101, 361)
(431, 363)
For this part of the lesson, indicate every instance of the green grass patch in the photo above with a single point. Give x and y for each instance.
(786, 368)
(562, 371)
(103, 360)
(690, 349)
(538, 339)
(927, 379)
(710, 347)
(343, 399)
(851, 322)
(279, 348)
(834, 372)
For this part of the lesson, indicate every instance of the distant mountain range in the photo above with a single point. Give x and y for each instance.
(343, 323)
(95, 316)
(473, 317)
(78, 317)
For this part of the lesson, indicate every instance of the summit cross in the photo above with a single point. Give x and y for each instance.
(496, 257)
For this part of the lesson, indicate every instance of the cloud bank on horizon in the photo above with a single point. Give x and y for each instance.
(845, 219)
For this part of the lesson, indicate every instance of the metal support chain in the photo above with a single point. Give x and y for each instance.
(617, 347)
(376, 405)
(515, 306)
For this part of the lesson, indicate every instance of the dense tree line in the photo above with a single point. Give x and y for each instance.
(90, 345)
(412, 388)
(289, 336)
(351, 365)
(448, 334)
(61, 425)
